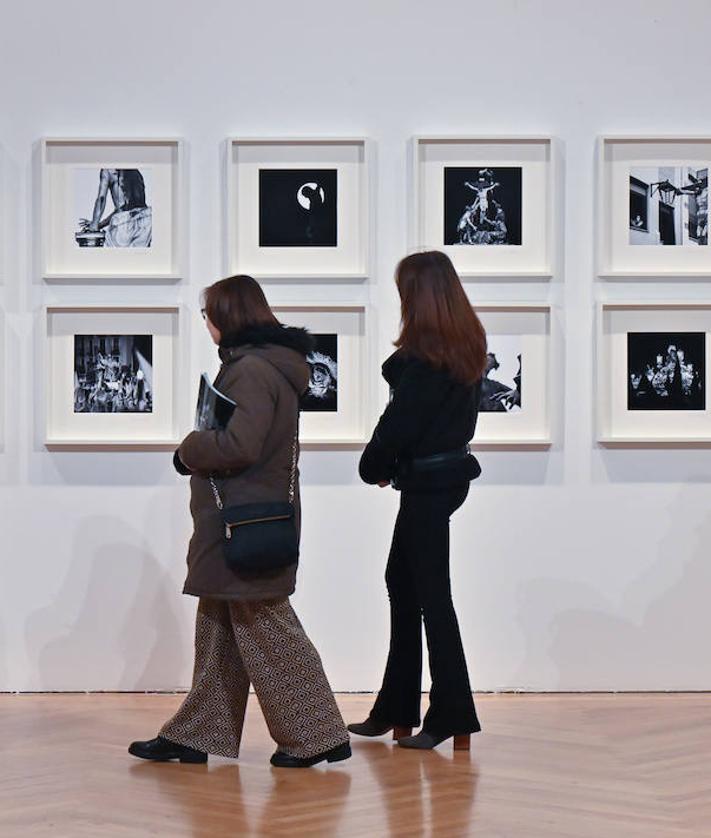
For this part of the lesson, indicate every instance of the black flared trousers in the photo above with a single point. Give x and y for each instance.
(419, 588)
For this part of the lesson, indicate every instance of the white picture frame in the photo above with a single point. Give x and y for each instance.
(616, 424)
(526, 326)
(65, 428)
(350, 157)
(532, 256)
(349, 425)
(69, 169)
(620, 159)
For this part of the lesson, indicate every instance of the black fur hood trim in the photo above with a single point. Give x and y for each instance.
(268, 334)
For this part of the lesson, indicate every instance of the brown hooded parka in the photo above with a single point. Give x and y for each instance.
(264, 370)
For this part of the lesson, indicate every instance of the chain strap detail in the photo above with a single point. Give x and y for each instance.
(292, 474)
(216, 493)
(294, 459)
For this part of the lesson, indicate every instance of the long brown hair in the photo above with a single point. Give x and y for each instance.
(439, 324)
(236, 303)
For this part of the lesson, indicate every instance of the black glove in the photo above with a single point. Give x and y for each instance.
(179, 465)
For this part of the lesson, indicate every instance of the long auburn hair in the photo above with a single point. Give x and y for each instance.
(439, 324)
(236, 303)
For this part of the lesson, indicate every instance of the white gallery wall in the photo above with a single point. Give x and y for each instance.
(574, 568)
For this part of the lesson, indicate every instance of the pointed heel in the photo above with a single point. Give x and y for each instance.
(462, 742)
(401, 732)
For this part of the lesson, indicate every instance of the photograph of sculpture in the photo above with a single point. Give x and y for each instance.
(668, 205)
(322, 395)
(113, 373)
(298, 207)
(112, 208)
(483, 206)
(501, 387)
(666, 370)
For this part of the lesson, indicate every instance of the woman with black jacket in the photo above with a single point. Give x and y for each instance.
(421, 447)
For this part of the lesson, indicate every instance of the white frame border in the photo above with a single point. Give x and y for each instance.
(603, 436)
(181, 361)
(369, 381)
(603, 267)
(368, 208)
(525, 442)
(414, 242)
(180, 226)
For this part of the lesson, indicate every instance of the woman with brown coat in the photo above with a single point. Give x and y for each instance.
(247, 632)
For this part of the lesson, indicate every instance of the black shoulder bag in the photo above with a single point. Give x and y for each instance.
(261, 537)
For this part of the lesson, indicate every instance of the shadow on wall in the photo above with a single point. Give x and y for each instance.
(592, 647)
(662, 464)
(113, 625)
(102, 468)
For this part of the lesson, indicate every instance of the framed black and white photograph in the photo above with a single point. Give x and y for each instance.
(669, 206)
(113, 373)
(298, 208)
(113, 376)
(653, 206)
(336, 409)
(502, 385)
(112, 209)
(514, 405)
(322, 395)
(652, 372)
(482, 206)
(666, 370)
(487, 202)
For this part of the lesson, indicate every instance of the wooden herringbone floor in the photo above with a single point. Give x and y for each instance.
(580, 766)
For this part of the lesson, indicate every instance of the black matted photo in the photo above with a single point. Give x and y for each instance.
(322, 395)
(483, 206)
(113, 373)
(112, 208)
(501, 387)
(298, 207)
(666, 371)
(668, 205)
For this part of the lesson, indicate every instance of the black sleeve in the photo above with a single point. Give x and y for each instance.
(403, 423)
(179, 465)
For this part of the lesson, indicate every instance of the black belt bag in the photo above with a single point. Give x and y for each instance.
(261, 537)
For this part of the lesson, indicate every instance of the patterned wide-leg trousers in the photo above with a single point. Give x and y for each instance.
(262, 643)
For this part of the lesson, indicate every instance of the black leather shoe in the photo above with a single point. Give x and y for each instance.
(373, 728)
(163, 750)
(340, 752)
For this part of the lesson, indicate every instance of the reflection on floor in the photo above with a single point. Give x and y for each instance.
(558, 765)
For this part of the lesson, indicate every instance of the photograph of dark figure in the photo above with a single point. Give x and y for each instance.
(666, 370)
(298, 207)
(501, 384)
(482, 206)
(130, 222)
(113, 373)
(322, 394)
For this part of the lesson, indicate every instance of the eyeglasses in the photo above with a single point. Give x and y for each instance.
(204, 313)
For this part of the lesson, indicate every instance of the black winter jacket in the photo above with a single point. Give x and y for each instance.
(429, 413)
